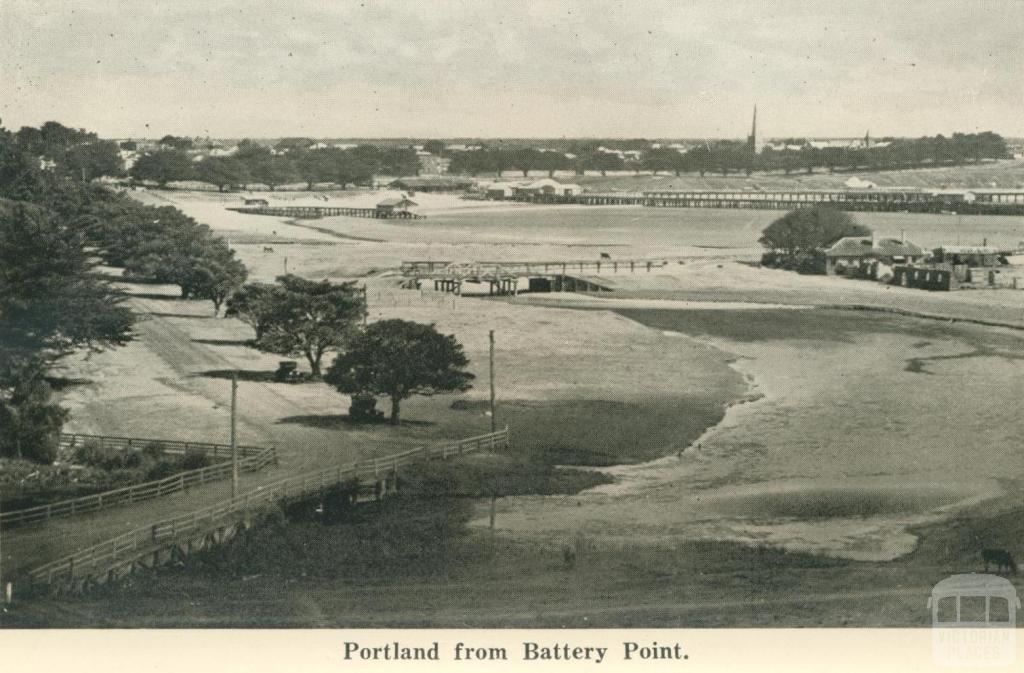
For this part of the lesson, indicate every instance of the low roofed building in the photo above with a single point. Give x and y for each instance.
(856, 254)
(401, 203)
(433, 184)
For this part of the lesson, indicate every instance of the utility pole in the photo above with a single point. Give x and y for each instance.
(366, 304)
(494, 419)
(4, 586)
(2, 552)
(234, 440)
(286, 266)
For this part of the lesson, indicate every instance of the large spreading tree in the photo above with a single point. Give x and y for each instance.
(163, 166)
(399, 359)
(301, 318)
(805, 232)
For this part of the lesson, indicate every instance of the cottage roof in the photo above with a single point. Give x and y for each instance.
(396, 202)
(865, 246)
(438, 181)
(968, 250)
(543, 182)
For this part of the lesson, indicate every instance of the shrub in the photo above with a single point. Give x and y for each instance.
(194, 459)
(153, 451)
(94, 454)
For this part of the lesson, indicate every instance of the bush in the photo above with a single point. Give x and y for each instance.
(94, 454)
(30, 423)
(802, 262)
(194, 459)
(153, 451)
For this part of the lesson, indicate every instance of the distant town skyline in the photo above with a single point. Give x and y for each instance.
(461, 69)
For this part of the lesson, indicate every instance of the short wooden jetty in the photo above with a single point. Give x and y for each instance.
(318, 212)
(504, 278)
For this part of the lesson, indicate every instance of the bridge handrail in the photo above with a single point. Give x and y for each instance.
(136, 492)
(454, 268)
(145, 537)
(69, 440)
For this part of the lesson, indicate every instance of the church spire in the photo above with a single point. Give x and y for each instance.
(752, 139)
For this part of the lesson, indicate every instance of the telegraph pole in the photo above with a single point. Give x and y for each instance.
(494, 419)
(234, 440)
(5, 587)
(2, 552)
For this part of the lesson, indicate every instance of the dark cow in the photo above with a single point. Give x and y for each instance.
(1001, 558)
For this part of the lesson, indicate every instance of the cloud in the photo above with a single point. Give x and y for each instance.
(490, 67)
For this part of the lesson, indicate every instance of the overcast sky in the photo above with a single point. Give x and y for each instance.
(508, 68)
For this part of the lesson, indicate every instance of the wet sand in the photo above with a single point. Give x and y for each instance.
(853, 430)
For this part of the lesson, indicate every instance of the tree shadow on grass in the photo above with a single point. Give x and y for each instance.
(153, 295)
(62, 382)
(253, 375)
(223, 342)
(180, 315)
(336, 421)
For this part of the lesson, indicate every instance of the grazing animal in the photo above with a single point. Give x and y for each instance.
(267, 249)
(605, 255)
(1001, 558)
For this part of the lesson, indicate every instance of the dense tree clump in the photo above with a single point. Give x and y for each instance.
(399, 359)
(56, 226)
(797, 239)
(291, 161)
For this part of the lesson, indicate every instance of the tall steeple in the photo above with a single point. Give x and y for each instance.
(752, 139)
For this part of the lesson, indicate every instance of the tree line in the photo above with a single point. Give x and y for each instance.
(727, 157)
(255, 163)
(56, 228)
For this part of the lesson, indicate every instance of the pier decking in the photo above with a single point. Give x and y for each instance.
(540, 275)
(964, 201)
(317, 212)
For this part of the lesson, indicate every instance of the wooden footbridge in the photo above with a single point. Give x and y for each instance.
(504, 277)
(317, 212)
(170, 539)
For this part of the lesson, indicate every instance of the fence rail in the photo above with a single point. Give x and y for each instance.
(137, 492)
(70, 441)
(445, 269)
(130, 545)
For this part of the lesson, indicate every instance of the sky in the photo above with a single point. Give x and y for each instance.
(514, 68)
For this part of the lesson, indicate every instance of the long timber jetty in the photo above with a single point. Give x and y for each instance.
(317, 212)
(964, 201)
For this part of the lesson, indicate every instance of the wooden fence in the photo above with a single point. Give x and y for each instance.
(97, 559)
(70, 441)
(137, 492)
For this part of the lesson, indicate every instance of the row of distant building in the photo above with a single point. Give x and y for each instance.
(898, 261)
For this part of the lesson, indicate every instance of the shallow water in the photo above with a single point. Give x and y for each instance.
(839, 448)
